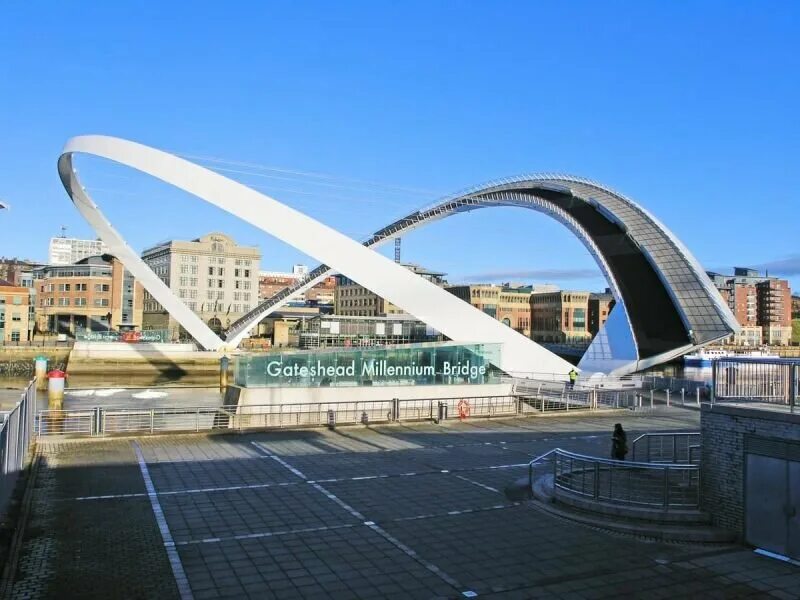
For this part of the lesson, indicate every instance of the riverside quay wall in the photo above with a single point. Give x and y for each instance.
(732, 436)
(19, 360)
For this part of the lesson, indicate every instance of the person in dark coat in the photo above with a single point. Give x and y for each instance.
(619, 443)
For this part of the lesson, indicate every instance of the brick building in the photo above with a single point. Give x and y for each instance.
(600, 306)
(762, 306)
(560, 317)
(16, 313)
(507, 303)
(94, 294)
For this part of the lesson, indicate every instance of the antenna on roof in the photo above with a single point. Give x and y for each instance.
(63, 231)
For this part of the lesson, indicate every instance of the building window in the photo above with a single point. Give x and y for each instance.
(220, 283)
(236, 271)
(16, 300)
(80, 301)
(220, 271)
(16, 317)
(15, 335)
(209, 293)
(193, 269)
(210, 270)
(101, 301)
(210, 283)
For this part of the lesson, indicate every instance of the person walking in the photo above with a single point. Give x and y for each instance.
(619, 443)
(573, 376)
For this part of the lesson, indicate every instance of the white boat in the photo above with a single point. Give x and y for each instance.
(705, 357)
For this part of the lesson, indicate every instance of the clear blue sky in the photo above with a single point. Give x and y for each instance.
(690, 108)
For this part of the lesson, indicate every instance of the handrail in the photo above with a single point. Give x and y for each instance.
(663, 485)
(673, 456)
(624, 463)
(536, 460)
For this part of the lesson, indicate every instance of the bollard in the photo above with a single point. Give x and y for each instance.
(223, 373)
(683, 396)
(331, 419)
(667, 396)
(40, 363)
(651, 398)
(698, 396)
(55, 389)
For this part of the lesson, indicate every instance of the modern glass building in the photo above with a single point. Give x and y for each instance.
(411, 364)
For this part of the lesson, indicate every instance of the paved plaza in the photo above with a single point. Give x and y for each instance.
(396, 511)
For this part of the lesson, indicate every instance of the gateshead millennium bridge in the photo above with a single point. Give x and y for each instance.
(666, 305)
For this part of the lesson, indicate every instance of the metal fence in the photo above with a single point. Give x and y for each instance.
(100, 421)
(678, 447)
(665, 486)
(774, 381)
(16, 435)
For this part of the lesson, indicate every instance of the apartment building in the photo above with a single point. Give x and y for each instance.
(16, 313)
(354, 300)
(94, 294)
(560, 317)
(213, 275)
(760, 304)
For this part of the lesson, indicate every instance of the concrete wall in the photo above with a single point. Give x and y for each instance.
(724, 428)
(297, 395)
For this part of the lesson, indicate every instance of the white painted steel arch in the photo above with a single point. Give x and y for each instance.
(431, 304)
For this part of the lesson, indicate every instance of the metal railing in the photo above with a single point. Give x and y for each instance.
(773, 381)
(654, 485)
(100, 421)
(678, 447)
(16, 435)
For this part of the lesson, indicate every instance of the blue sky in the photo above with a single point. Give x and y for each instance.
(690, 108)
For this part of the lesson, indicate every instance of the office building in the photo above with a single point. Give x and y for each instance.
(16, 313)
(326, 331)
(354, 300)
(560, 317)
(600, 306)
(757, 301)
(67, 251)
(214, 276)
(94, 294)
(507, 303)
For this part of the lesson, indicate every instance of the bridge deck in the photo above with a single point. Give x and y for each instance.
(381, 512)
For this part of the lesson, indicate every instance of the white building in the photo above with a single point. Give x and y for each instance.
(216, 278)
(68, 251)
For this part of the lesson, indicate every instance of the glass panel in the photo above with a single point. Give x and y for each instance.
(411, 364)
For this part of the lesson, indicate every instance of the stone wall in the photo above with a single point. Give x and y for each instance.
(724, 428)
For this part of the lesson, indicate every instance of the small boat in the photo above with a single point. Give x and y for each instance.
(705, 357)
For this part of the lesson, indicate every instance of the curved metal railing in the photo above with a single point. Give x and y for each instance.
(652, 485)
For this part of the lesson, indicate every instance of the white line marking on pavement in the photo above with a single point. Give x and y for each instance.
(266, 534)
(371, 524)
(478, 483)
(450, 513)
(411, 554)
(315, 485)
(184, 590)
(252, 486)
